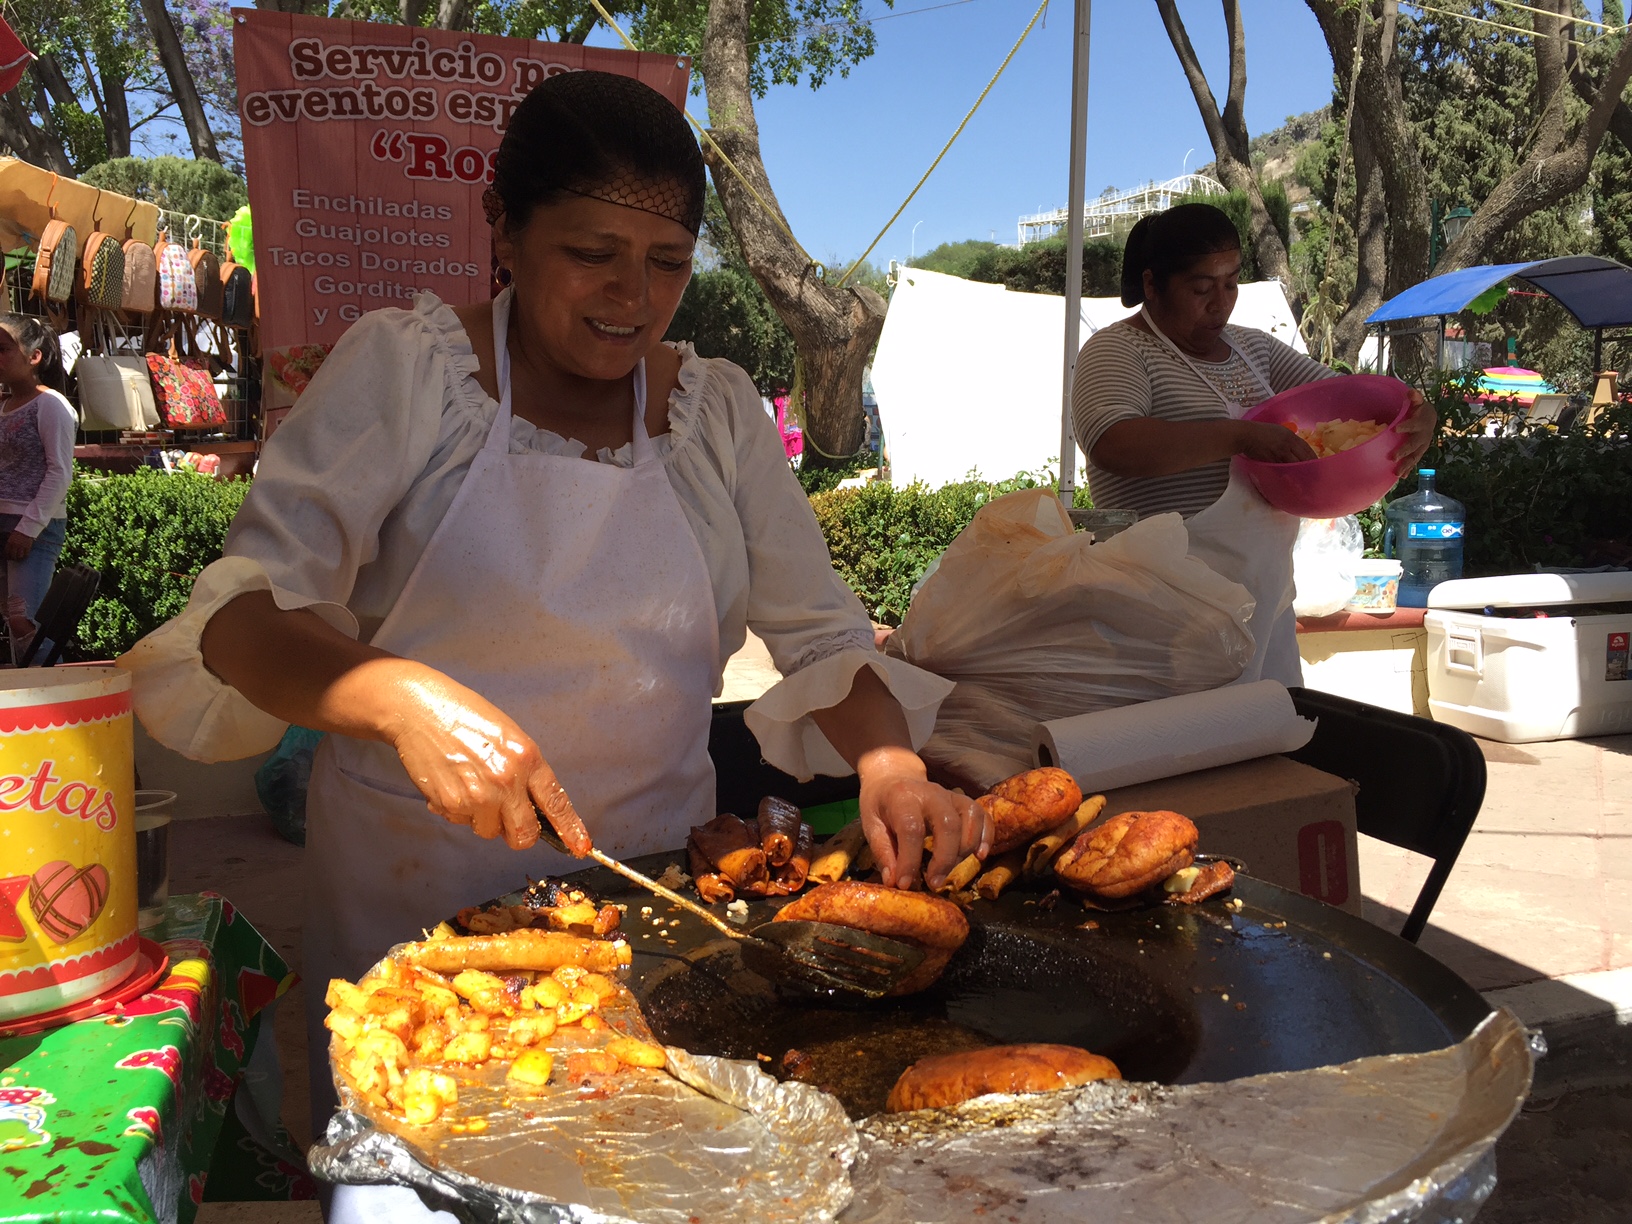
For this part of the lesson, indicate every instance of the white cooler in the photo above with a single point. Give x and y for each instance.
(1523, 678)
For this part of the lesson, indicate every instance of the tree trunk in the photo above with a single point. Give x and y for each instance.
(411, 12)
(182, 87)
(1227, 131)
(1380, 111)
(453, 14)
(1371, 253)
(36, 144)
(115, 115)
(1560, 157)
(834, 330)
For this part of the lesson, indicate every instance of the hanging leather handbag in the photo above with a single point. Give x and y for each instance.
(56, 263)
(102, 272)
(115, 392)
(206, 279)
(184, 391)
(237, 296)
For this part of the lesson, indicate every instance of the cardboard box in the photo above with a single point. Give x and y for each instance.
(1290, 824)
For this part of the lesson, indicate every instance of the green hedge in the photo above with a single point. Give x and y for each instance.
(883, 538)
(149, 533)
(1542, 498)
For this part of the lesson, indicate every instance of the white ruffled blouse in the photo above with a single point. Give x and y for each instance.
(355, 481)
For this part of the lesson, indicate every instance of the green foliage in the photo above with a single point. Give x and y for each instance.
(1540, 497)
(1039, 267)
(1238, 206)
(726, 314)
(883, 538)
(816, 479)
(149, 534)
(179, 184)
(956, 258)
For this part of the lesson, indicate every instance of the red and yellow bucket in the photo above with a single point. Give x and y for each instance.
(67, 837)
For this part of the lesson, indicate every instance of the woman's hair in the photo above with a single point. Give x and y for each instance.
(35, 335)
(600, 135)
(1169, 242)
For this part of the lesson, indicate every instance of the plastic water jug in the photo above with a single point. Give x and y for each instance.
(1425, 533)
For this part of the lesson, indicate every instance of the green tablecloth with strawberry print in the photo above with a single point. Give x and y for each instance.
(116, 1118)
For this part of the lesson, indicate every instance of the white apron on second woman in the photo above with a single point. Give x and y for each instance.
(1247, 540)
(572, 595)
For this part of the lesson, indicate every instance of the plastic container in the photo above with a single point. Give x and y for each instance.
(68, 870)
(1425, 533)
(1510, 659)
(1376, 586)
(1340, 484)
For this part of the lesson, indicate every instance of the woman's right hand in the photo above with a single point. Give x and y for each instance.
(1271, 443)
(473, 764)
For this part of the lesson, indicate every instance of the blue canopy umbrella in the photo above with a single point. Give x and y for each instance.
(1596, 291)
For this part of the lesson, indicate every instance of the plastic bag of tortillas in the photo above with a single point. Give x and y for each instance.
(1034, 622)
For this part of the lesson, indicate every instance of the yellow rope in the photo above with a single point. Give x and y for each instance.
(773, 214)
(1586, 21)
(1013, 51)
(1498, 25)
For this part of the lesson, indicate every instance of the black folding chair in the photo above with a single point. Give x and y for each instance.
(72, 589)
(1421, 782)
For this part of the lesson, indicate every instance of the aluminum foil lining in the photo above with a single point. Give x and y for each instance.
(1402, 1138)
(1379, 1140)
(710, 1139)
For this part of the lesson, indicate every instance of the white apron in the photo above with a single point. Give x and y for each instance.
(1247, 540)
(572, 595)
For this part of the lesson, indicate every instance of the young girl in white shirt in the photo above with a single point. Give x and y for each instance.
(36, 464)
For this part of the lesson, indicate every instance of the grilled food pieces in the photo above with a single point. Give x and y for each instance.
(790, 877)
(779, 823)
(1185, 888)
(1127, 854)
(711, 885)
(1028, 804)
(548, 904)
(402, 1033)
(525, 949)
(937, 926)
(733, 846)
(950, 1079)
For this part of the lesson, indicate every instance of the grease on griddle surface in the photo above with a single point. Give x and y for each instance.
(1005, 986)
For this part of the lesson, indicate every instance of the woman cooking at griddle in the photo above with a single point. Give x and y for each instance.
(501, 551)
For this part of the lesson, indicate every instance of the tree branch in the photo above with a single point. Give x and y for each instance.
(1182, 47)
(39, 145)
(1234, 114)
(1554, 168)
(182, 86)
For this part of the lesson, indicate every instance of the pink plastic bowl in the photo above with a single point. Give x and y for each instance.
(1340, 484)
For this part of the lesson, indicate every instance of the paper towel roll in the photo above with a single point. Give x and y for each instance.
(1176, 735)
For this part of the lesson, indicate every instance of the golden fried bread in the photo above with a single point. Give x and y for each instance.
(1128, 853)
(937, 926)
(949, 1079)
(1028, 804)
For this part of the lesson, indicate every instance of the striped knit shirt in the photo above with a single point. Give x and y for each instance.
(1124, 374)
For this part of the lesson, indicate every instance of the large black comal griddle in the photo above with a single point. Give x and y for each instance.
(1175, 995)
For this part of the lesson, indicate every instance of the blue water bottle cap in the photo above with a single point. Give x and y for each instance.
(1425, 471)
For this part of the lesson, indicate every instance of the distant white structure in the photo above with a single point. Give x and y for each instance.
(968, 374)
(1101, 215)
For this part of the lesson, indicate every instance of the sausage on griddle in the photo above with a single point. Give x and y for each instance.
(779, 823)
(733, 847)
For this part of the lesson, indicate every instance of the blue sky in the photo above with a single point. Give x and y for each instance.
(843, 157)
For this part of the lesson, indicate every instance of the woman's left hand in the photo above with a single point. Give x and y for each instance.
(18, 546)
(899, 806)
(1416, 434)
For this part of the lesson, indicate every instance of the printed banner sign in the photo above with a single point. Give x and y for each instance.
(368, 147)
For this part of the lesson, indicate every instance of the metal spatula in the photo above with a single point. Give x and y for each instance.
(820, 954)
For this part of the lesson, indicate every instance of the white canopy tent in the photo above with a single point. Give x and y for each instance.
(968, 376)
